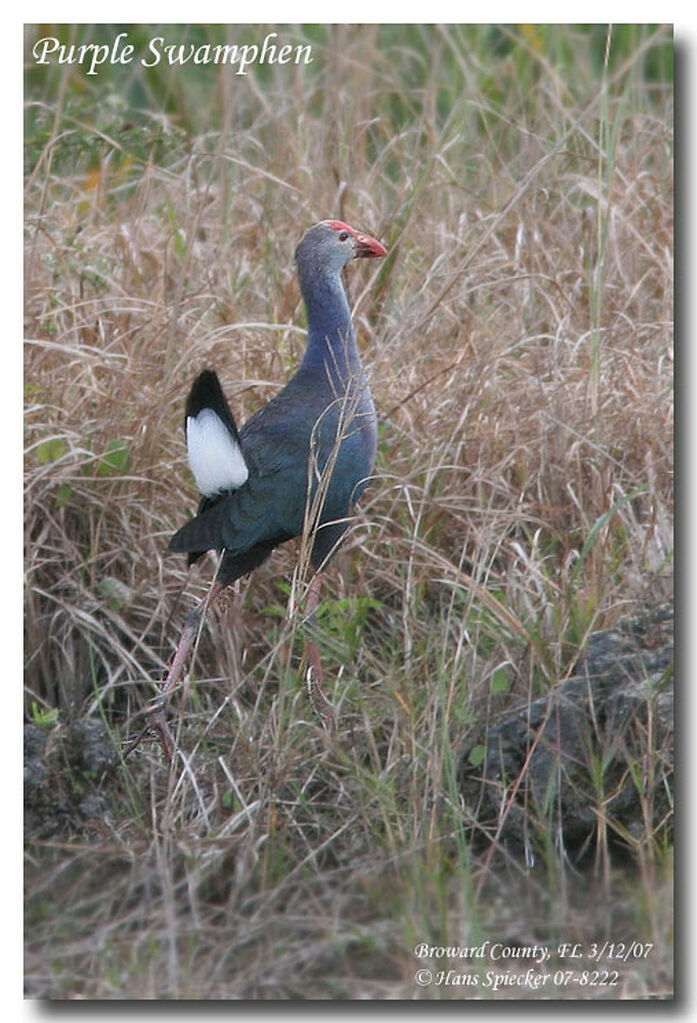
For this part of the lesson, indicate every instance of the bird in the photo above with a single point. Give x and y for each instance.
(297, 466)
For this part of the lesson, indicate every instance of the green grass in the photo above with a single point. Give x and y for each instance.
(519, 343)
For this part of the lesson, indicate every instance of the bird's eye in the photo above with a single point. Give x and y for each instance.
(343, 236)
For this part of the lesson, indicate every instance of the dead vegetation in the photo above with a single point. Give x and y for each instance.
(519, 341)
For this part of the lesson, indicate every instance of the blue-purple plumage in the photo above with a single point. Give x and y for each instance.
(318, 435)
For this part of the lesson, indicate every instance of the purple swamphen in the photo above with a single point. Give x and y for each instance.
(296, 466)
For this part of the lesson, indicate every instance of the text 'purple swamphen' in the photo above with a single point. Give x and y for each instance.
(297, 466)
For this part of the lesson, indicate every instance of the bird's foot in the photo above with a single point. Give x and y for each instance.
(156, 726)
(156, 720)
(314, 677)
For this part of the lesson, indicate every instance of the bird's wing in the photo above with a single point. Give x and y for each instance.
(269, 507)
(274, 446)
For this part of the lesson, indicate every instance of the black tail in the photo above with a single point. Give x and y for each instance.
(203, 533)
(206, 392)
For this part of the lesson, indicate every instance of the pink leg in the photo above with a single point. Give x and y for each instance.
(314, 675)
(156, 721)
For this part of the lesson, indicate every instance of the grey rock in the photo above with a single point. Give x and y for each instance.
(90, 746)
(64, 776)
(591, 757)
(35, 740)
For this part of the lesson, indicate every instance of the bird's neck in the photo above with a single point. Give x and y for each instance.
(331, 342)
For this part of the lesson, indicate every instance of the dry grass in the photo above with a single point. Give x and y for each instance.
(519, 341)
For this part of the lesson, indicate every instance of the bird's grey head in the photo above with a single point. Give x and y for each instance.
(330, 245)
